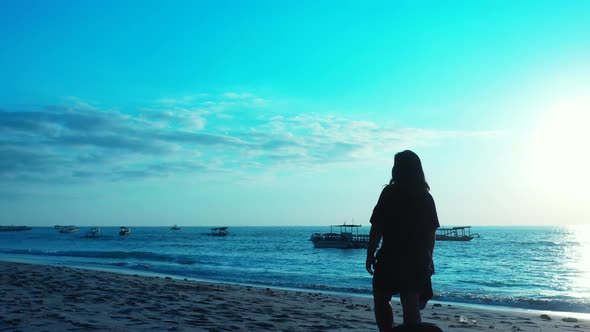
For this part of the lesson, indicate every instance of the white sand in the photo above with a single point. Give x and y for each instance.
(50, 298)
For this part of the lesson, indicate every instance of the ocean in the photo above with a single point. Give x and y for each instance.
(542, 268)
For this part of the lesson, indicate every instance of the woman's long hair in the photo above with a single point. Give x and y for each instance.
(407, 172)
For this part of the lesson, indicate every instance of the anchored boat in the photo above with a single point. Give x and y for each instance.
(460, 233)
(219, 231)
(14, 228)
(94, 232)
(347, 238)
(124, 231)
(66, 229)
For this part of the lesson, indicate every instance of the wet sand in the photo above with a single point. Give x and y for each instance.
(54, 298)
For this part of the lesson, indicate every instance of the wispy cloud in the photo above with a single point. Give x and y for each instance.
(186, 99)
(80, 143)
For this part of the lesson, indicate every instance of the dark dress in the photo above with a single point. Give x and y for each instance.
(404, 262)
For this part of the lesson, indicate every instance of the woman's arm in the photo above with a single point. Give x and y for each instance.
(431, 241)
(375, 236)
(432, 233)
(376, 232)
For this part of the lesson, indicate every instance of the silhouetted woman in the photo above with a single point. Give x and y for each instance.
(405, 219)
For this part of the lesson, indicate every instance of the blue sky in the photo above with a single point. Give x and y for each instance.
(289, 113)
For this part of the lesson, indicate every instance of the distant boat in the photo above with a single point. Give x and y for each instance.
(68, 229)
(219, 231)
(94, 232)
(345, 239)
(174, 228)
(124, 231)
(460, 233)
(14, 228)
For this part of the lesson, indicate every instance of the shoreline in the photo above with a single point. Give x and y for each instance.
(491, 307)
(48, 297)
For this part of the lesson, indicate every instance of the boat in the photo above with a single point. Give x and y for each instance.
(174, 228)
(459, 233)
(124, 231)
(219, 231)
(68, 229)
(94, 232)
(14, 228)
(347, 238)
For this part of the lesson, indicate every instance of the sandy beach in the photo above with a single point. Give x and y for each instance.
(54, 298)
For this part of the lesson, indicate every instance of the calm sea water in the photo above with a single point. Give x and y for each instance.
(546, 268)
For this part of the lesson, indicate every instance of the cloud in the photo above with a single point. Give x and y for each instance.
(233, 95)
(81, 143)
(186, 99)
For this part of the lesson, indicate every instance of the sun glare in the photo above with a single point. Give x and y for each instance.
(559, 162)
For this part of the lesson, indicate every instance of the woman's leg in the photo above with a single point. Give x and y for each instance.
(383, 311)
(410, 302)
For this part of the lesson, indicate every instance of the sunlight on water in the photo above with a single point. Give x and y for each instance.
(580, 259)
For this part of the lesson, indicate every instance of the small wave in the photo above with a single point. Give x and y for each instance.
(245, 278)
(137, 255)
(536, 244)
(570, 305)
(131, 266)
(544, 243)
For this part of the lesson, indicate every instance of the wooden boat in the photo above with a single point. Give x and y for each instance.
(347, 238)
(460, 233)
(14, 228)
(219, 231)
(94, 232)
(68, 229)
(124, 231)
